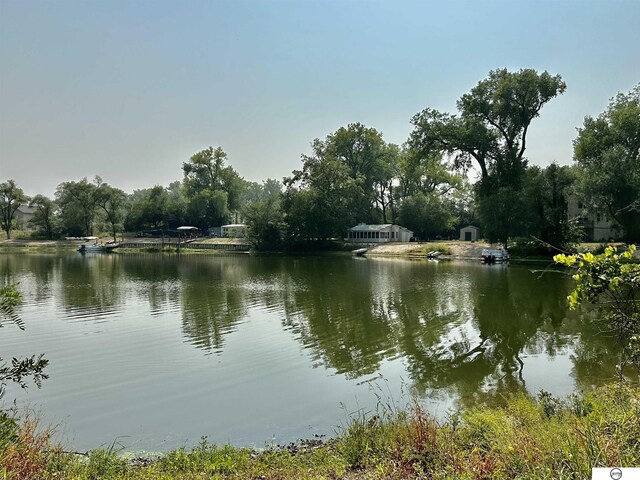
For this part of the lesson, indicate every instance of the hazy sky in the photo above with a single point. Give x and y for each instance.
(130, 90)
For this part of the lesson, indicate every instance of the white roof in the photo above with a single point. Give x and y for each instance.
(375, 228)
(187, 228)
(234, 225)
(470, 226)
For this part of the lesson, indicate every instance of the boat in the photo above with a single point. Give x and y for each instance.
(97, 247)
(434, 254)
(360, 252)
(494, 255)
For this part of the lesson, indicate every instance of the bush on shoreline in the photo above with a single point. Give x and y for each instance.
(526, 438)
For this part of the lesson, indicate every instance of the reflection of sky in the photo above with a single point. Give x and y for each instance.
(120, 334)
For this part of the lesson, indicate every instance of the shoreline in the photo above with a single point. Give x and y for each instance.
(521, 437)
(451, 250)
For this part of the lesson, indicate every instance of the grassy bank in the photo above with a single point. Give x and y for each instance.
(525, 438)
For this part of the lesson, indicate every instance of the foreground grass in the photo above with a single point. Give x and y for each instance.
(525, 438)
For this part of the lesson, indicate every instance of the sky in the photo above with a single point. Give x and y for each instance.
(128, 90)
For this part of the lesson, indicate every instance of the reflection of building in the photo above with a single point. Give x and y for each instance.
(364, 233)
(24, 213)
(596, 226)
(469, 233)
(234, 230)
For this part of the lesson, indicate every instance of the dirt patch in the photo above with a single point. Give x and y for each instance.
(457, 249)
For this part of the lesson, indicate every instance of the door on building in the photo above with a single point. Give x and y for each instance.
(467, 236)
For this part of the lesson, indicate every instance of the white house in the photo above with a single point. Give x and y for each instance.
(364, 233)
(469, 233)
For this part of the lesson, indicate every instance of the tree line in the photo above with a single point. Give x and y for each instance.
(353, 175)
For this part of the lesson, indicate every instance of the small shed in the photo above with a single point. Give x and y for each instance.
(469, 233)
(234, 230)
(364, 233)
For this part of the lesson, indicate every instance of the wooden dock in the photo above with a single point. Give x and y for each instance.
(229, 247)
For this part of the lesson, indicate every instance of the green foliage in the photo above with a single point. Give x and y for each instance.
(155, 207)
(19, 368)
(612, 281)
(319, 200)
(44, 216)
(11, 197)
(546, 218)
(348, 179)
(491, 131)
(608, 151)
(213, 190)
(78, 206)
(112, 201)
(501, 213)
(550, 438)
(427, 215)
(263, 215)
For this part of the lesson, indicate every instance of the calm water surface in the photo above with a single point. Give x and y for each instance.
(156, 351)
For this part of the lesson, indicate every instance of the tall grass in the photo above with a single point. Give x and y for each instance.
(541, 438)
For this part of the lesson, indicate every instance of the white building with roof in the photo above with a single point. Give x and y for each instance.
(234, 230)
(364, 233)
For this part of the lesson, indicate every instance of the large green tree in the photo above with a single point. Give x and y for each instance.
(348, 178)
(212, 188)
(112, 202)
(44, 215)
(491, 131)
(11, 198)
(318, 201)
(608, 151)
(78, 206)
(147, 208)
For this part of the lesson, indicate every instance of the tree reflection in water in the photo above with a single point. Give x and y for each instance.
(460, 328)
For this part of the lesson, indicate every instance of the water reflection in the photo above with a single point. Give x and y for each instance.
(460, 329)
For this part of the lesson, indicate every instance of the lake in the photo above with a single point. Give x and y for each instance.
(155, 351)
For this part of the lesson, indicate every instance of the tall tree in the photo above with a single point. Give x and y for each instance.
(491, 130)
(44, 217)
(78, 205)
(318, 200)
(607, 150)
(11, 197)
(493, 123)
(346, 179)
(213, 189)
(112, 202)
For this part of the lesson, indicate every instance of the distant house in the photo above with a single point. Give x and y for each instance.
(364, 233)
(597, 227)
(23, 214)
(234, 230)
(469, 233)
